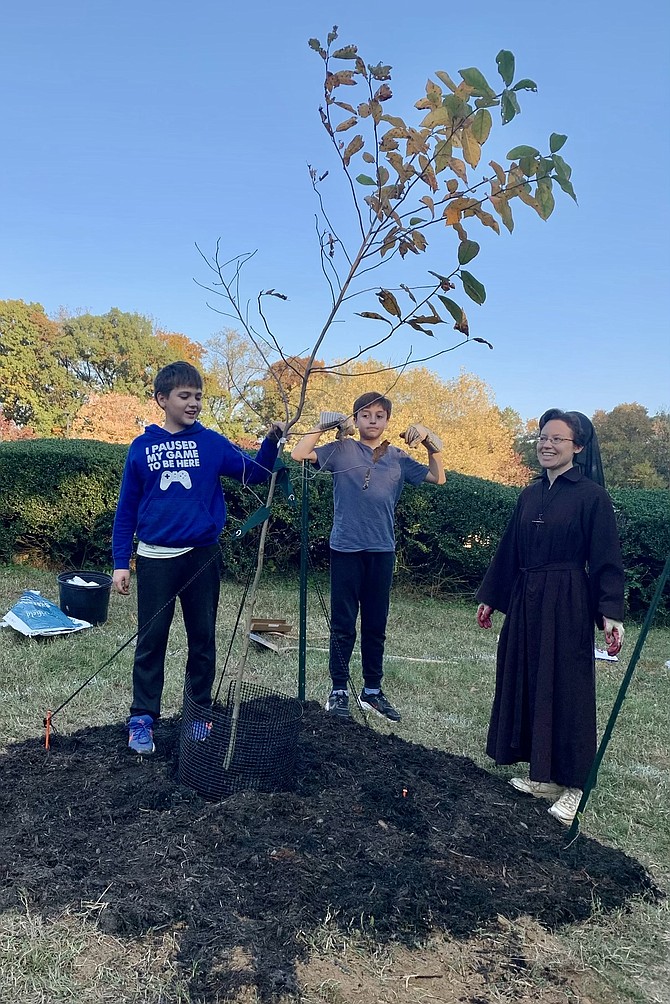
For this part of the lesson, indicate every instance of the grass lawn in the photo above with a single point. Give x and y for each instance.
(440, 673)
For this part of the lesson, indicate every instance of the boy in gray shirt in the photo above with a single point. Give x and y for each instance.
(368, 475)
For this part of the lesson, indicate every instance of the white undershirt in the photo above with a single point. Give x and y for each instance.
(157, 551)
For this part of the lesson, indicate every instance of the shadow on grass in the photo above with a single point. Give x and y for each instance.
(379, 834)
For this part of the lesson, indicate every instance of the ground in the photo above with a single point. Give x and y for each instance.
(422, 853)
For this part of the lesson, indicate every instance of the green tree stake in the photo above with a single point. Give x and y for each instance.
(304, 543)
(593, 773)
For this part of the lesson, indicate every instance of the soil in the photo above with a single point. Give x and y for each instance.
(378, 835)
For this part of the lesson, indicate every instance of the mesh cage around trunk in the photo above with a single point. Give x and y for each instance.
(265, 743)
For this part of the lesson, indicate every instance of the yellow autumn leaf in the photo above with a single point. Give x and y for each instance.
(347, 124)
(472, 151)
(389, 302)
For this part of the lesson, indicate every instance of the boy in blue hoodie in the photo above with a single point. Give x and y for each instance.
(171, 499)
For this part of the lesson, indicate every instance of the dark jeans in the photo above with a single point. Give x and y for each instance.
(359, 580)
(159, 580)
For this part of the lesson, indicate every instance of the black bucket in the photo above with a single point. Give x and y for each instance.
(258, 753)
(85, 603)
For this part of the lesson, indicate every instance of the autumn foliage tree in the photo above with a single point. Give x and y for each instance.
(114, 417)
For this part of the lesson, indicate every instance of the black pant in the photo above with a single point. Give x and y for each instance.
(359, 580)
(158, 582)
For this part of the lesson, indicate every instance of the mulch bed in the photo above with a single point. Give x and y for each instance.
(378, 834)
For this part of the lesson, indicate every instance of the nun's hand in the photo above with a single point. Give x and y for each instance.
(614, 634)
(484, 615)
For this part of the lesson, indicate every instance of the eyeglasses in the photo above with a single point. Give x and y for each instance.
(554, 440)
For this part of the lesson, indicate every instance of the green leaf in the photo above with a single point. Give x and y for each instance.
(522, 151)
(556, 141)
(567, 187)
(364, 179)
(473, 287)
(505, 63)
(544, 198)
(453, 308)
(525, 85)
(509, 106)
(315, 44)
(415, 221)
(475, 78)
(562, 169)
(486, 102)
(380, 72)
(481, 125)
(348, 52)
(332, 35)
(467, 250)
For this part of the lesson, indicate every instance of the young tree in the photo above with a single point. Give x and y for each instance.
(627, 441)
(408, 184)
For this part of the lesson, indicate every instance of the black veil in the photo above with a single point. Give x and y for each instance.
(589, 459)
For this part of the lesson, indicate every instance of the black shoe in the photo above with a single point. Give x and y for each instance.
(338, 704)
(380, 705)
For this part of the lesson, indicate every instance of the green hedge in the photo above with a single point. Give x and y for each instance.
(57, 501)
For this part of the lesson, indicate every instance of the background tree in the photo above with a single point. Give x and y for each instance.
(180, 347)
(477, 436)
(627, 437)
(115, 418)
(10, 431)
(35, 389)
(233, 386)
(116, 351)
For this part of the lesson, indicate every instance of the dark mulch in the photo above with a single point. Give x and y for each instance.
(379, 833)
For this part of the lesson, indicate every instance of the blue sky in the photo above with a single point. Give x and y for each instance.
(135, 130)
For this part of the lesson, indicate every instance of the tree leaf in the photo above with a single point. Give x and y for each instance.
(487, 102)
(427, 201)
(368, 158)
(380, 72)
(567, 187)
(364, 179)
(446, 79)
(453, 308)
(415, 220)
(522, 151)
(475, 79)
(408, 291)
(472, 151)
(389, 302)
(505, 63)
(419, 240)
(315, 44)
(556, 141)
(481, 125)
(347, 124)
(509, 106)
(483, 342)
(416, 325)
(348, 52)
(467, 250)
(525, 85)
(473, 287)
(544, 198)
(353, 147)
(562, 169)
(375, 317)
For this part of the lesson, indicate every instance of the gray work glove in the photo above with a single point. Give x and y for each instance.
(416, 434)
(337, 420)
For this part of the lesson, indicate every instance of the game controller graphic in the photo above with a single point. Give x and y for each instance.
(167, 477)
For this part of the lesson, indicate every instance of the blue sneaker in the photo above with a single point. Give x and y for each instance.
(201, 730)
(141, 734)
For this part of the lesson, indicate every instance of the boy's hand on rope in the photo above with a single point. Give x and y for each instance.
(416, 434)
(121, 580)
(614, 634)
(484, 612)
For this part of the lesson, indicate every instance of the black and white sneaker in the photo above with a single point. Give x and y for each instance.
(338, 704)
(380, 705)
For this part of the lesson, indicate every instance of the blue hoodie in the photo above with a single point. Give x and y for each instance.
(171, 494)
